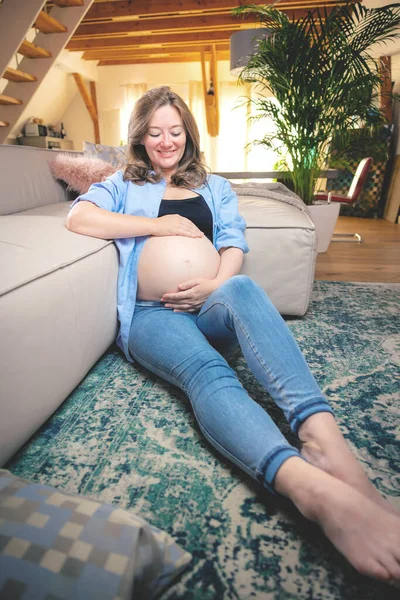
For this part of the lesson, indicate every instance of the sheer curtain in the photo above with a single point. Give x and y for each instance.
(224, 152)
(196, 105)
(230, 151)
(132, 93)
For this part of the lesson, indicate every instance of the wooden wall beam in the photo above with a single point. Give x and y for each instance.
(87, 98)
(93, 95)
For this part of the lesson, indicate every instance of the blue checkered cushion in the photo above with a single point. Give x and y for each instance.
(116, 155)
(55, 545)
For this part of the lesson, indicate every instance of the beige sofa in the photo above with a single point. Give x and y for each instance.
(58, 288)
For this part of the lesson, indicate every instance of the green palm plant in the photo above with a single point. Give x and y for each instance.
(321, 71)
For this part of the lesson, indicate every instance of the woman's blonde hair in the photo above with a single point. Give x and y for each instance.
(190, 172)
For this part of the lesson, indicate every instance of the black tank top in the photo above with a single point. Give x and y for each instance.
(194, 208)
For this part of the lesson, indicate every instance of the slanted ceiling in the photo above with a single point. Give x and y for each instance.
(120, 32)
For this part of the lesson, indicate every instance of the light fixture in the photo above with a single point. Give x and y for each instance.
(243, 44)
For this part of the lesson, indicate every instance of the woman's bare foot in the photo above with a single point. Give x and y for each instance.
(367, 535)
(324, 446)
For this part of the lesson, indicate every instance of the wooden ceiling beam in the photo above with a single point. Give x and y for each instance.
(123, 8)
(190, 57)
(174, 24)
(150, 35)
(140, 40)
(138, 52)
(64, 3)
(157, 31)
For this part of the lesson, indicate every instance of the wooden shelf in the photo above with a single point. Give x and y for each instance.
(51, 143)
(4, 124)
(18, 76)
(32, 51)
(9, 100)
(47, 24)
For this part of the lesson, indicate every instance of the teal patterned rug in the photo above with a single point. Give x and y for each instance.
(126, 437)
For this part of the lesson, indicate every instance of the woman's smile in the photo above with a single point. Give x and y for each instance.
(165, 140)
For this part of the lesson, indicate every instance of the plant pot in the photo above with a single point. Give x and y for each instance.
(324, 216)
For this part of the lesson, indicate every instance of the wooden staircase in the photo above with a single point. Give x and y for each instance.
(54, 22)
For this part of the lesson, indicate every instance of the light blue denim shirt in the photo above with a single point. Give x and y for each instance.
(125, 197)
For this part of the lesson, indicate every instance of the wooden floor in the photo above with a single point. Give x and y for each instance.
(377, 258)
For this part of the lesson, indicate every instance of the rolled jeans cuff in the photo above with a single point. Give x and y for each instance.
(302, 412)
(272, 463)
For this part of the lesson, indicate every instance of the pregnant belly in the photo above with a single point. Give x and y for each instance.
(167, 261)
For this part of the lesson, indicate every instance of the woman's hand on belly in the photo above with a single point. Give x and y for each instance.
(192, 296)
(176, 225)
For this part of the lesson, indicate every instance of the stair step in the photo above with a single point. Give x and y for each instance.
(32, 51)
(4, 124)
(9, 100)
(18, 76)
(68, 2)
(47, 24)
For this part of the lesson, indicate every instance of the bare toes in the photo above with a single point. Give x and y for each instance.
(376, 570)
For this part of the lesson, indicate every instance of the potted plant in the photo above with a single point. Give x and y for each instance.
(324, 80)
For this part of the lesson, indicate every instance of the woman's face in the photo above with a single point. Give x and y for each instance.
(165, 139)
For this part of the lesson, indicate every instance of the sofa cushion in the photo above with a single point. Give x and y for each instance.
(116, 155)
(282, 253)
(79, 172)
(34, 243)
(26, 180)
(62, 545)
(263, 213)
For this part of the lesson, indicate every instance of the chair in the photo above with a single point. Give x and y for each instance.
(351, 198)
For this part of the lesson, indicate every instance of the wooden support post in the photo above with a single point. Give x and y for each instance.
(211, 100)
(96, 122)
(386, 88)
(87, 98)
(203, 74)
(214, 75)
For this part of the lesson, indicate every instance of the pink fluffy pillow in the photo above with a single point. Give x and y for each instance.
(79, 172)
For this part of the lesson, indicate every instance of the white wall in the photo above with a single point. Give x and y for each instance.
(77, 122)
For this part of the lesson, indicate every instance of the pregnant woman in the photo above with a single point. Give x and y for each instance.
(182, 306)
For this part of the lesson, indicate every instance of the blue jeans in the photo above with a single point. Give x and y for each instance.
(185, 349)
